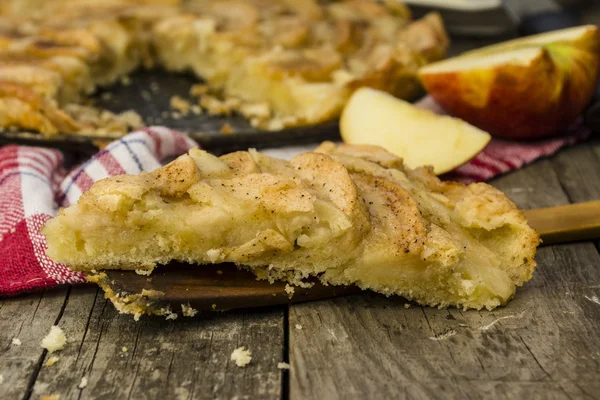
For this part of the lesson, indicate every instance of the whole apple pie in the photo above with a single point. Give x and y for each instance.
(346, 215)
(280, 63)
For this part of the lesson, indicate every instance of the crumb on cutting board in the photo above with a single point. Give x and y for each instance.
(298, 326)
(124, 349)
(55, 340)
(407, 305)
(51, 361)
(171, 316)
(16, 341)
(241, 356)
(289, 289)
(144, 272)
(188, 311)
(283, 365)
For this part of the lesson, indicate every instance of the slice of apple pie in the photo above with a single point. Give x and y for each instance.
(347, 215)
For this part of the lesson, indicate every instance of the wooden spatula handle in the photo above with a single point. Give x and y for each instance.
(566, 223)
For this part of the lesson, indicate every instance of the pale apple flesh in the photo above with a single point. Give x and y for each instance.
(419, 136)
(526, 88)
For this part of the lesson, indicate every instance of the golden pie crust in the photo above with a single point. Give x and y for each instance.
(280, 63)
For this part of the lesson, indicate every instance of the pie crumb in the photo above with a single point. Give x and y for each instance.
(124, 349)
(145, 272)
(298, 326)
(226, 129)
(51, 361)
(55, 340)
(241, 356)
(16, 341)
(406, 305)
(214, 306)
(180, 104)
(198, 90)
(289, 290)
(196, 109)
(188, 311)
(83, 383)
(283, 365)
(171, 316)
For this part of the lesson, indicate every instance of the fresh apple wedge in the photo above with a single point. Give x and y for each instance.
(526, 88)
(419, 136)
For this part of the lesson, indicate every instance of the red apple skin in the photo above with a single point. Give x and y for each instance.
(523, 101)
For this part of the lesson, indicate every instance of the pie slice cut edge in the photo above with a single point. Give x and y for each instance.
(346, 214)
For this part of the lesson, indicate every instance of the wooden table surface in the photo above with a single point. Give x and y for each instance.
(544, 345)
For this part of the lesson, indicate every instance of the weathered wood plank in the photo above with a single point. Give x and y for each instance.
(188, 358)
(578, 169)
(27, 318)
(544, 344)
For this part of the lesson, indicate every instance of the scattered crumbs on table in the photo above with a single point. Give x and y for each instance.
(448, 334)
(55, 340)
(83, 383)
(176, 115)
(154, 87)
(124, 349)
(407, 305)
(188, 311)
(289, 289)
(241, 356)
(51, 361)
(214, 306)
(298, 326)
(463, 325)
(226, 129)
(16, 341)
(146, 95)
(283, 365)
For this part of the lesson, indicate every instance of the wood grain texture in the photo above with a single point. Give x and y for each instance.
(187, 358)
(544, 344)
(29, 319)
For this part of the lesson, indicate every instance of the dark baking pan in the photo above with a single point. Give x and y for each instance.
(149, 92)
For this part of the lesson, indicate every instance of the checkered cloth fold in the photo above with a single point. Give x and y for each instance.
(33, 185)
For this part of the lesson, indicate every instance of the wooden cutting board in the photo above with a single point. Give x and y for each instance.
(224, 286)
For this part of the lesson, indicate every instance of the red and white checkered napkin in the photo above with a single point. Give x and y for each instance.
(33, 185)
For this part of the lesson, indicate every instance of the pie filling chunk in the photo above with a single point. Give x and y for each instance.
(344, 214)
